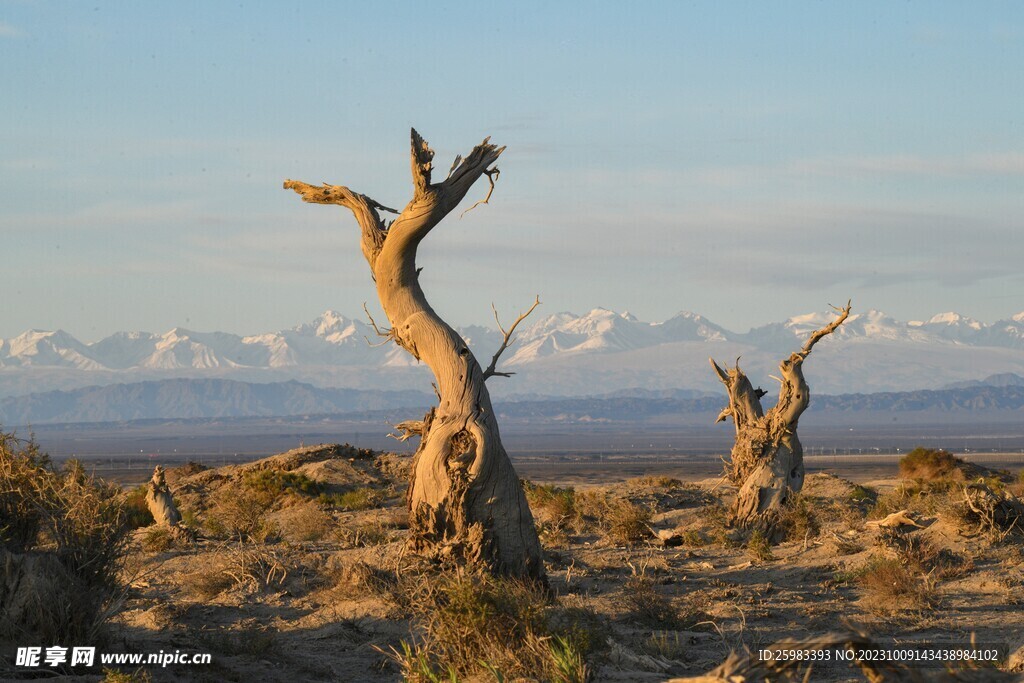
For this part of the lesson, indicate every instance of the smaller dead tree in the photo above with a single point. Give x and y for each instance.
(160, 502)
(767, 461)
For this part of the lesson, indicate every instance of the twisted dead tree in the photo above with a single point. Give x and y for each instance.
(767, 461)
(465, 499)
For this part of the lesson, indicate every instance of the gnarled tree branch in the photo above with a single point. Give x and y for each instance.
(507, 341)
(362, 207)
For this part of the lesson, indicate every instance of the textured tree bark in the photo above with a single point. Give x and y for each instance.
(465, 499)
(767, 459)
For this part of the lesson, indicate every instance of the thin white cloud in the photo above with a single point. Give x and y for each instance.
(8, 31)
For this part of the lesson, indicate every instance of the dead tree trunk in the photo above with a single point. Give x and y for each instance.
(767, 459)
(465, 499)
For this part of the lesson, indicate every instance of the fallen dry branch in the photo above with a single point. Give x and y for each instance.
(999, 513)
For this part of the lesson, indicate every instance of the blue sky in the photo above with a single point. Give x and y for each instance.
(748, 161)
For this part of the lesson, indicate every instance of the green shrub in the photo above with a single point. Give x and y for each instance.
(275, 483)
(157, 539)
(362, 498)
(137, 509)
(759, 548)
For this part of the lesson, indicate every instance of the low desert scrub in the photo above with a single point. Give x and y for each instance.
(650, 607)
(993, 511)
(140, 675)
(364, 534)
(667, 644)
(362, 498)
(255, 566)
(646, 605)
(208, 583)
(890, 587)
(137, 514)
(254, 641)
(759, 547)
(656, 482)
(862, 495)
(275, 483)
(358, 579)
(920, 497)
(63, 540)
(472, 624)
(930, 465)
(309, 523)
(250, 567)
(157, 539)
(798, 520)
(554, 509)
(923, 557)
(620, 521)
(715, 525)
(240, 513)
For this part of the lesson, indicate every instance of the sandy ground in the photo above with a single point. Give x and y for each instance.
(294, 607)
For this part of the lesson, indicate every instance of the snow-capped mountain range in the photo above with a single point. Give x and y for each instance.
(560, 354)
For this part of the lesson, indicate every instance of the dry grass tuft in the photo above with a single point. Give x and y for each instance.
(554, 509)
(891, 587)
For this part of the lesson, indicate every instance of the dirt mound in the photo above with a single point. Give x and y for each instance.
(825, 485)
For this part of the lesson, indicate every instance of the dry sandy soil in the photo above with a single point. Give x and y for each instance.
(313, 597)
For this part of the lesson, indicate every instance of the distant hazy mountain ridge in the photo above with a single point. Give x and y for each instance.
(210, 398)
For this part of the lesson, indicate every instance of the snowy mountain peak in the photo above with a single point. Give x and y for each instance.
(330, 321)
(954, 319)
